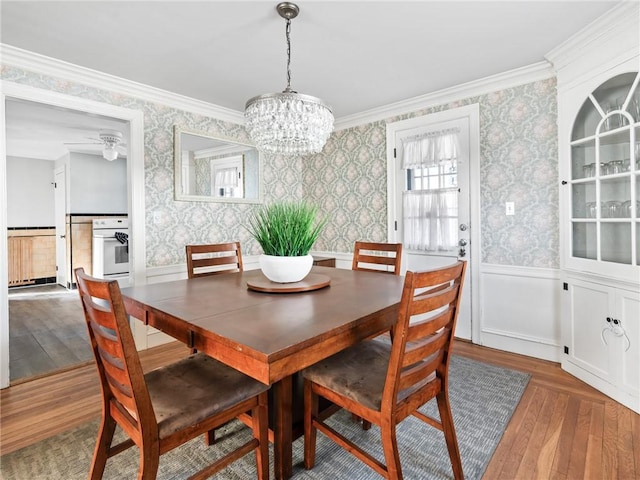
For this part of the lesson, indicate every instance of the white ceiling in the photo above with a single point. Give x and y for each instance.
(355, 55)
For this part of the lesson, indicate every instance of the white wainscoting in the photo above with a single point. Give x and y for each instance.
(521, 310)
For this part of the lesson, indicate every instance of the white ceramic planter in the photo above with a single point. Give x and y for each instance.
(285, 269)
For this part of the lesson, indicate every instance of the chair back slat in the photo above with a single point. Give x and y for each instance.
(419, 372)
(428, 302)
(429, 326)
(375, 257)
(423, 333)
(121, 375)
(213, 259)
(417, 351)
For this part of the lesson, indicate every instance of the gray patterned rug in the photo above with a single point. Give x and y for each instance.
(483, 398)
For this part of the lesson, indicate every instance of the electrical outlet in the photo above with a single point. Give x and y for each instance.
(510, 208)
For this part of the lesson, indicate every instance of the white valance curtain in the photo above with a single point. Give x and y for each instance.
(430, 149)
(430, 220)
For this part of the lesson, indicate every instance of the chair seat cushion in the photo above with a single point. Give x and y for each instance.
(358, 373)
(195, 388)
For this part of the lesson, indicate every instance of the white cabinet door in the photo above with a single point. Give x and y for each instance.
(627, 353)
(604, 339)
(590, 306)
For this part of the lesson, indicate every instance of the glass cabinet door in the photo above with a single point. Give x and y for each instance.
(605, 174)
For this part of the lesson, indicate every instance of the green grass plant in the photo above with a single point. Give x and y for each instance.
(287, 229)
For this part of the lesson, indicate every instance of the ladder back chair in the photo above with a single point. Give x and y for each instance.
(374, 257)
(213, 259)
(385, 381)
(168, 406)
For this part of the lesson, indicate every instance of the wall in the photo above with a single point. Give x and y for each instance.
(348, 180)
(97, 185)
(30, 193)
(519, 163)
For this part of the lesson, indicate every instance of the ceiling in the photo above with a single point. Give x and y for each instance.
(355, 55)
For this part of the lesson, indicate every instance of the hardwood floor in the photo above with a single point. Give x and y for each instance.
(562, 428)
(47, 331)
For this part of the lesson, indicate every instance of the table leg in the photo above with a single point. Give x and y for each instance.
(282, 428)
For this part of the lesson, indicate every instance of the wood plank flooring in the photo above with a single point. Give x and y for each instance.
(47, 331)
(562, 428)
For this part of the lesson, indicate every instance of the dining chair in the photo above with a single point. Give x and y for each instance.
(385, 381)
(374, 257)
(213, 259)
(166, 407)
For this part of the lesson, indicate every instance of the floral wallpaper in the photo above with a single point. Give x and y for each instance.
(518, 163)
(348, 179)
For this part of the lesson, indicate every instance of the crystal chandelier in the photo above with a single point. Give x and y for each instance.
(288, 123)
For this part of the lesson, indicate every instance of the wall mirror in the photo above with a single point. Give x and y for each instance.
(215, 169)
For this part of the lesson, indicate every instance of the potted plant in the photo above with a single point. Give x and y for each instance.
(286, 231)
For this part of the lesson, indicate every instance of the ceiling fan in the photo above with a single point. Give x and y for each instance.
(111, 140)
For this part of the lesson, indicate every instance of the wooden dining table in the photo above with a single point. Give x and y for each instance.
(270, 336)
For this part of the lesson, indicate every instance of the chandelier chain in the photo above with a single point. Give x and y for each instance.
(288, 33)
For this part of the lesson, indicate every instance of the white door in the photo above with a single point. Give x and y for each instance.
(447, 180)
(60, 214)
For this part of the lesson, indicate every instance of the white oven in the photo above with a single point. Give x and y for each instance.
(111, 249)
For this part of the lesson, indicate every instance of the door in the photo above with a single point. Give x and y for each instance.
(438, 232)
(60, 199)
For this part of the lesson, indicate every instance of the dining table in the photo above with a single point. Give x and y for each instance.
(268, 331)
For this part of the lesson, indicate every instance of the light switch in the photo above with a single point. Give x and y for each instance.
(510, 208)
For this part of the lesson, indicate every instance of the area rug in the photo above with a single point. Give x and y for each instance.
(483, 399)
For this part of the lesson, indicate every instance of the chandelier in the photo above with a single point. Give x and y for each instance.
(288, 123)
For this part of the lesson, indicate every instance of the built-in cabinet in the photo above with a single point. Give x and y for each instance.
(31, 256)
(599, 149)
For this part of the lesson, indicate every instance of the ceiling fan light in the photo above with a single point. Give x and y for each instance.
(110, 153)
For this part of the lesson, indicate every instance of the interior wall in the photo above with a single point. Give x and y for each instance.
(348, 179)
(171, 224)
(518, 163)
(30, 193)
(97, 185)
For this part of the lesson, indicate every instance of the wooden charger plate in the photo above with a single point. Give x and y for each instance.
(313, 281)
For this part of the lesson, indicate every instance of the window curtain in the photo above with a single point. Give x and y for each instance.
(226, 177)
(430, 217)
(431, 149)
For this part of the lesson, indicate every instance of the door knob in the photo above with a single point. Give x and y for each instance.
(462, 242)
(63, 236)
(463, 227)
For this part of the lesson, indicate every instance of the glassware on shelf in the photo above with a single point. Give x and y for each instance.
(589, 170)
(611, 209)
(625, 209)
(615, 166)
(591, 209)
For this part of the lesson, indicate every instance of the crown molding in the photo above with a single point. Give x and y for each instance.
(501, 81)
(34, 62)
(623, 17)
(31, 61)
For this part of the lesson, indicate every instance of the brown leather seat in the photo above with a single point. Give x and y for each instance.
(374, 257)
(383, 381)
(166, 407)
(213, 259)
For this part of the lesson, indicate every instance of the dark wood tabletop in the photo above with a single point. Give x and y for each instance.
(270, 336)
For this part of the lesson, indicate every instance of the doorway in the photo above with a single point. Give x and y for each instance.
(135, 186)
(434, 205)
